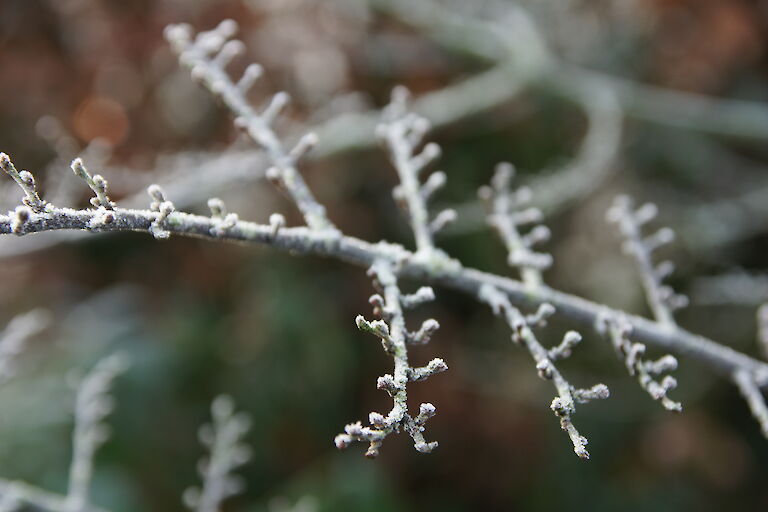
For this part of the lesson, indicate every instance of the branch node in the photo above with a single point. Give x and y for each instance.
(163, 207)
(20, 218)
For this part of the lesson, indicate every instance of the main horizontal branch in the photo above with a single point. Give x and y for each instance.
(440, 270)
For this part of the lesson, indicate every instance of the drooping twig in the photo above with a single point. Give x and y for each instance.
(207, 57)
(662, 300)
(618, 331)
(167, 220)
(390, 327)
(403, 132)
(223, 440)
(507, 218)
(564, 404)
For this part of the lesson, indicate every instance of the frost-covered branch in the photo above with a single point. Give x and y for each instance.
(507, 217)
(662, 300)
(403, 132)
(564, 404)
(618, 331)
(96, 183)
(388, 306)
(304, 240)
(26, 181)
(223, 439)
(207, 56)
(301, 240)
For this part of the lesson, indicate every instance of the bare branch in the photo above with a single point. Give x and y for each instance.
(26, 181)
(390, 328)
(403, 132)
(662, 300)
(564, 404)
(303, 240)
(207, 56)
(506, 217)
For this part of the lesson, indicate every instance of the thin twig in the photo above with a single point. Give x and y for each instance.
(403, 131)
(207, 56)
(391, 329)
(507, 217)
(301, 240)
(662, 300)
(564, 404)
